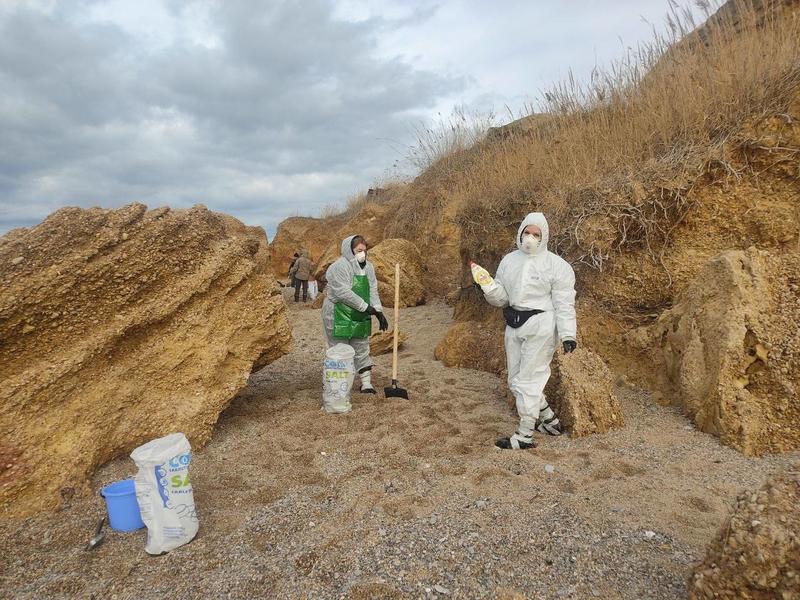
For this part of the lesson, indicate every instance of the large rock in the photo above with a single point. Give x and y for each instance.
(729, 350)
(120, 326)
(319, 300)
(306, 233)
(382, 342)
(384, 256)
(581, 392)
(757, 551)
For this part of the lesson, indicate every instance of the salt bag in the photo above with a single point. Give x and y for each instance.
(164, 492)
(337, 378)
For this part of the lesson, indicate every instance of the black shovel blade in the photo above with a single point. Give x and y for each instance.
(395, 392)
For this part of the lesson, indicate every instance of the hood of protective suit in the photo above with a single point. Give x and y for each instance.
(347, 251)
(535, 218)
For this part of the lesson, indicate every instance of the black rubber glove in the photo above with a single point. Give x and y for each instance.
(383, 324)
(371, 310)
(569, 346)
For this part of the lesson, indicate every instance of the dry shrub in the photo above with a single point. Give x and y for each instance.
(626, 147)
(446, 136)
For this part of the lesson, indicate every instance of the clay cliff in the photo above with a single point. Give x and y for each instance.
(301, 233)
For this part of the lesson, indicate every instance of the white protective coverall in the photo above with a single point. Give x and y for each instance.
(340, 289)
(541, 280)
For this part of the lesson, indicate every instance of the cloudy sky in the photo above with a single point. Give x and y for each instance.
(265, 108)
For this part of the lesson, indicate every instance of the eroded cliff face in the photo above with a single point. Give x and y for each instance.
(301, 233)
(119, 326)
(727, 351)
(714, 310)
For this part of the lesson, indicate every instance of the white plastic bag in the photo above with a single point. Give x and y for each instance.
(164, 492)
(337, 378)
(313, 289)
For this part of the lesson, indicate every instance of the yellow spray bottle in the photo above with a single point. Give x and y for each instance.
(479, 274)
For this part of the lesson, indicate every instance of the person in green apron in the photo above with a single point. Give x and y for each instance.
(351, 300)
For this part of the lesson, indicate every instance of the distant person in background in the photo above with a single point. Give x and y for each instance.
(291, 265)
(300, 274)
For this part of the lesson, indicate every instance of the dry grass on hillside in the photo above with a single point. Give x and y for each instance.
(388, 190)
(624, 150)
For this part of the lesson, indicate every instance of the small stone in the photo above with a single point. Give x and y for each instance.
(28, 328)
(549, 469)
(649, 534)
(124, 236)
(441, 589)
(323, 454)
(381, 532)
(16, 261)
(481, 503)
(311, 524)
(755, 523)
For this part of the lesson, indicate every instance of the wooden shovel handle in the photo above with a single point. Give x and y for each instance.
(396, 318)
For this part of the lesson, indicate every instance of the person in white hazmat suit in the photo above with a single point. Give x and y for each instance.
(536, 290)
(350, 303)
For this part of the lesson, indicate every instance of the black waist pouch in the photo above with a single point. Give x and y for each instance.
(517, 318)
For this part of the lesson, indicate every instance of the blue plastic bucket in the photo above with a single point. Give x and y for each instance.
(123, 509)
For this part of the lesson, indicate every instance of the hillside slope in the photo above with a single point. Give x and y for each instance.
(689, 149)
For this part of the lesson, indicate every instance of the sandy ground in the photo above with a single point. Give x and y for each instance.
(406, 499)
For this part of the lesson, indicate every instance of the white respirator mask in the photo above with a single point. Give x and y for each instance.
(530, 243)
(361, 256)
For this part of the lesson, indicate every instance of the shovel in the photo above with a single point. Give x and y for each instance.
(98, 537)
(394, 391)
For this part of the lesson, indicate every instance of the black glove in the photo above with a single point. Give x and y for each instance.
(383, 324)
(371, 310)
(569, 346)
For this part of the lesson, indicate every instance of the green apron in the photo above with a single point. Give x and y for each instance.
(347, 321)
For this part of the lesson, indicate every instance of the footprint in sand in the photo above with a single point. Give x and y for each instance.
(697, 504)
(616, 469)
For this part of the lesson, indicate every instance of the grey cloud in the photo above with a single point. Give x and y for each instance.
(287, 114)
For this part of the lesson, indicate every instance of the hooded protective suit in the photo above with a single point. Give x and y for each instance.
(339, 289)
(539, 280)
